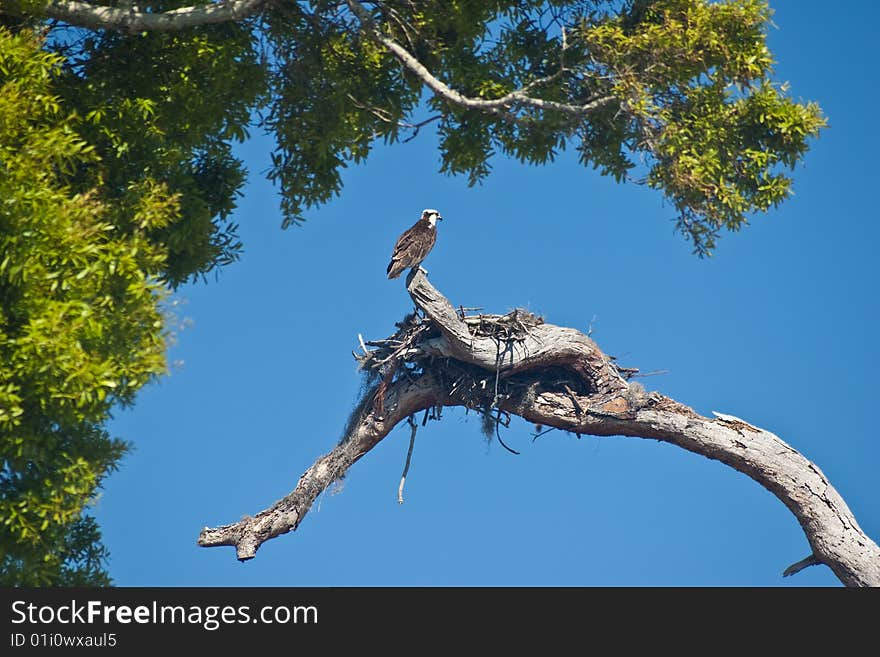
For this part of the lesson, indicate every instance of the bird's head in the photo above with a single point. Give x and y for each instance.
(431, 216)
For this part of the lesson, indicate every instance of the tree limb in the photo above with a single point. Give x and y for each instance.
(800, 565)
(499, 106)
(829, 525)
(543, 345)
(412, 441)
(98, 17)
(83, 14)
(402, 399)
(558, 377)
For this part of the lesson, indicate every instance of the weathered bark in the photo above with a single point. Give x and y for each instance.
(246, 535)
(96, 17)
(558, 377)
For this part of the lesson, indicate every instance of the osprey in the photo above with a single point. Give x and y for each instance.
(414, 244)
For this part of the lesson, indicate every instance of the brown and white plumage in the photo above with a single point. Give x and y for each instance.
(414, 244)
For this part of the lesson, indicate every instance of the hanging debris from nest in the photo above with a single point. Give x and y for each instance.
(404, 354)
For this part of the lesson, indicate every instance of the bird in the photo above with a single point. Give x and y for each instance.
(412, 247)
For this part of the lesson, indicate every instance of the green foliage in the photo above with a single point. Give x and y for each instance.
(80, 324)
(334, 92)
(76, 559)
(683, 93)
(693, 79)
(170, 119)
(688, 85)
(117, 181)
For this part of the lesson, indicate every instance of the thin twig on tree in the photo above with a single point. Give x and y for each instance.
(800, 565)
(503, 107)
(412, 441)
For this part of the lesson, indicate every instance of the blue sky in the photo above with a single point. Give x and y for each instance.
(779, 328)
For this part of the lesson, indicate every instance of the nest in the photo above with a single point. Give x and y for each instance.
(474, 387)
(479, 388)
(403, 348)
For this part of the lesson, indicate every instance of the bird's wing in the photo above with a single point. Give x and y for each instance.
(406, 244)
(423, 245)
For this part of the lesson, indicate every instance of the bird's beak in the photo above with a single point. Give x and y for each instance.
(439, 217)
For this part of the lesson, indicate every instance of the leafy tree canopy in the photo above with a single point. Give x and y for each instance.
(117, 182)
(118, 178)
(677, 94)
(80, 328)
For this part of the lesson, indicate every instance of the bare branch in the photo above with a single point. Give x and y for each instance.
(564, 382)
(416, 127)
(402, 399)
(386, 117)
(541, 346)
(829, 525)
(412, 441)
(800, 565)
(503, 107)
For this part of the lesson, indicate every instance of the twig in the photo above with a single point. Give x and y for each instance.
(800, 565)
(412, 441)
(590, 327)
(382, 343)
(415, 127)
(386, 117)
(537, 435)
(574, 399)
(497, 372)
(638, 374)
(498, 435)
(628, 372)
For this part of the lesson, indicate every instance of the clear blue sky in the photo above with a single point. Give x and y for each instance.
(778, 328)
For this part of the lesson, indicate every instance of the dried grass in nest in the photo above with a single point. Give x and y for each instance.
(403, 346)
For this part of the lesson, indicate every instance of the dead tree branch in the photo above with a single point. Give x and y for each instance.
(402, 399)
(555, 377)
(413, 427)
